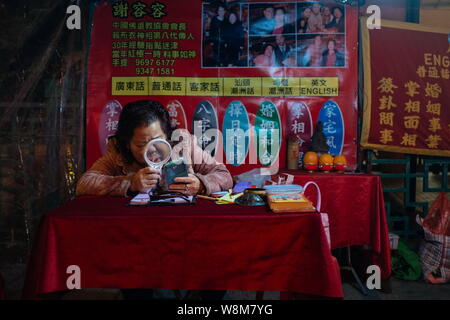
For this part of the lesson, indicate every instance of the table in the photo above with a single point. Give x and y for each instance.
(200, 247)
(356, 212)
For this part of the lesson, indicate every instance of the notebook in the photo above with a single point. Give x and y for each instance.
(143, 199)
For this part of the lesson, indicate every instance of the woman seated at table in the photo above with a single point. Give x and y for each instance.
(122, 170)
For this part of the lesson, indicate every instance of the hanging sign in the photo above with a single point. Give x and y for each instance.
(235, 131)
(268, 133)
(333, 127)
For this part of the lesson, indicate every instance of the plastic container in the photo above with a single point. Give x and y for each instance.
(393, 240)
(283, 189)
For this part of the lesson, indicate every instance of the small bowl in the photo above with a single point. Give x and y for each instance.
(250, 199)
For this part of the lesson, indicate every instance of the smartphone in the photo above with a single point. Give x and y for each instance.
(172, 170)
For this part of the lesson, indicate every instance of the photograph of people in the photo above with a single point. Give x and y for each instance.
(331, 57)
(337, 24)
(266, 57)
(263, 25)
(281, 24)
(314, 24)
(282, 51)
(312, 57)
(122, 170)
(233, 36)
(315, 17)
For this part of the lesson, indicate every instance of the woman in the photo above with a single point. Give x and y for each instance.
(307, 13)
(233, 35)
(302, 26)
(327, 17)
(266, 58)
(331, 57)
(122, 170)
(338, 22)
(281, 27)
(313, 55)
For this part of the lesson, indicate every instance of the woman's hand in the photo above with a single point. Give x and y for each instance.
(145, 179)
(190, 186)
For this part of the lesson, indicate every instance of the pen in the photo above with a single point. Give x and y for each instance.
(206, 198)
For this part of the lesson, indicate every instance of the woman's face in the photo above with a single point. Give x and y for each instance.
(232, 18)
(268, 51)
(142, 135)
(279, 16)
(337, 13)
(326, 11)
(331, 45)
(307, 13)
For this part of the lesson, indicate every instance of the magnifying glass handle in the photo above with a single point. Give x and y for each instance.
(157, 167)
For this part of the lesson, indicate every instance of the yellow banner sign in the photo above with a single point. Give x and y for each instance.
(130, 86)
(228, 87)
(325, 86)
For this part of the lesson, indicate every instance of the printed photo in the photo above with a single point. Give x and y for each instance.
(318, 17)
(273, 51)
(280, 35)
(321, 50)
(272, 19)
(225, 36)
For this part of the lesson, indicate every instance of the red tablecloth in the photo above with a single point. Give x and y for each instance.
(355, 207)
(205, 246)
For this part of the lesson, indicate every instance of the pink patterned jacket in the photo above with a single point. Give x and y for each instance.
(111, 175)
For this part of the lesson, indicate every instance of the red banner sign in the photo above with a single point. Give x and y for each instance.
(407, 72)
(218, 67)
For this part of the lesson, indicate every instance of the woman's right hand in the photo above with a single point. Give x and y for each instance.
(145, 179)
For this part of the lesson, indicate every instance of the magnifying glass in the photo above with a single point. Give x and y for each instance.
(157, 153)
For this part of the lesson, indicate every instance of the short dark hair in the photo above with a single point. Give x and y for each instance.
(266, 46)
(138, 114)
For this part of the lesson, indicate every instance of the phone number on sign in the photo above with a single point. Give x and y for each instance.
(155, 71)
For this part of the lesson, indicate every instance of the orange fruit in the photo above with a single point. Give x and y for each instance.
(340, 163)
(310, 160)
(326, 162)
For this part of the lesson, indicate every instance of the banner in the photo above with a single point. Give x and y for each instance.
(407, 89)
(242, 75)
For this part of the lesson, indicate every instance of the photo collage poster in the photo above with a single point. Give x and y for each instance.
(273, 34)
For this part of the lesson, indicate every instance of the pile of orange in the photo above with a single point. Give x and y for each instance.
(326, 162)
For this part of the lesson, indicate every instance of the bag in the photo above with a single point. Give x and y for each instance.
(405, 263)
(435, 249)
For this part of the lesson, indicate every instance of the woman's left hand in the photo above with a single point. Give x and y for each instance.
(190, 186)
